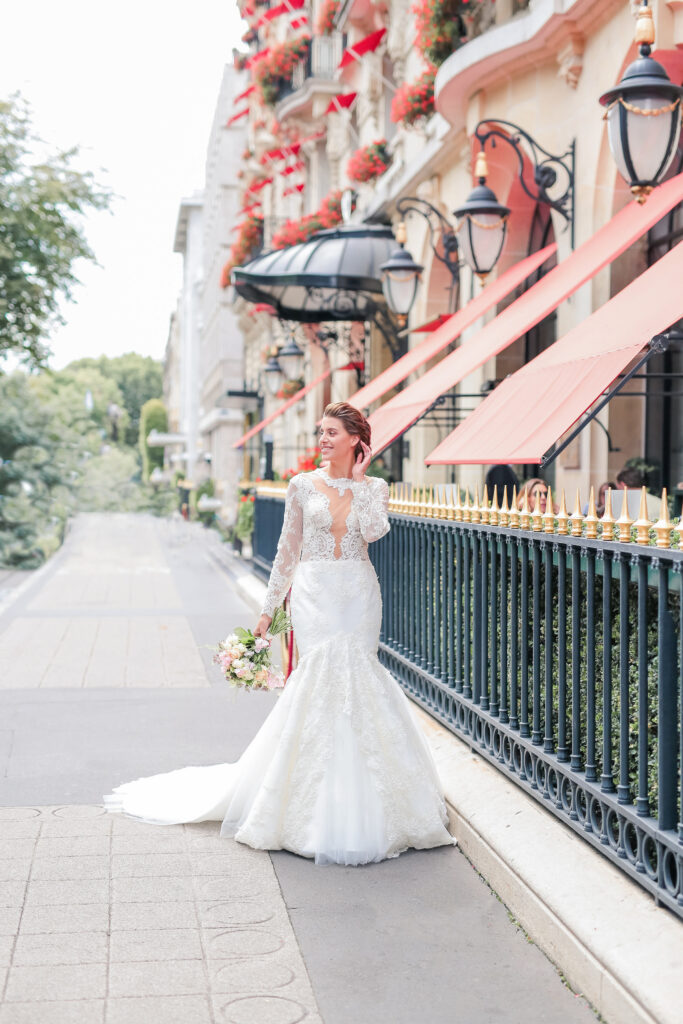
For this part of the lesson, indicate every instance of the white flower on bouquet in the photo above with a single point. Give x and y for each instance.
(245, 659)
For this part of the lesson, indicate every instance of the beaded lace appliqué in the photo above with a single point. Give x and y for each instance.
(307, 527)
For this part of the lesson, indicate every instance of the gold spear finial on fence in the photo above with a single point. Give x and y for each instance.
(410, 501)
(591, 519)
(624, 522)
(466, 510)
(484, 511)
(514, 511)
(504, 515)
(576, 518)
(450, 506)
(429, 504)
(549, 514)
(475, 509)
(457, 507)
(663, 527)
(563, 517)
(537, 517)
(525, 514)
(494, 516)
(608, 522)
(642, 523)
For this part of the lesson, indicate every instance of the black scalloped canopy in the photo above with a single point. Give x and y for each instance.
(334, 275)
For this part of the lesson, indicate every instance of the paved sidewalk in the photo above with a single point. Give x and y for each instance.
(106, 676)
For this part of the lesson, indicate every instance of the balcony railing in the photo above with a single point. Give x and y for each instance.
(555, 653)
(320, 62)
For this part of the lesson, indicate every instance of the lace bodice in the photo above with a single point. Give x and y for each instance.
(326, 519)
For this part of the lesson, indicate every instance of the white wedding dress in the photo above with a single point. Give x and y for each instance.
(339, 771)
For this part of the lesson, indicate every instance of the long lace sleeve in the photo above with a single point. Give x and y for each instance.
(288, 551)
(371, 502)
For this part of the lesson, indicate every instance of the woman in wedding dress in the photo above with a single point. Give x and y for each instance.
(339, 771)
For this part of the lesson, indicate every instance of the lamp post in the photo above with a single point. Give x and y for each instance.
(643, 115)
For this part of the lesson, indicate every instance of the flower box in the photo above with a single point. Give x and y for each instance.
(413, 102)
(369, 162)
(324, 22)
(273, 74)
(248, 242)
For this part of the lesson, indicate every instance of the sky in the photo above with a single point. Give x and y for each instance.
(134, 85)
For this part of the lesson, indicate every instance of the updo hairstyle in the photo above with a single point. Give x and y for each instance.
(353, 420)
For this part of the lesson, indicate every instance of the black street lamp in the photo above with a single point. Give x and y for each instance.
(643, 115)
(291, 359)
(483, 224)
(483, 219)
(273, 375)
(400, 279)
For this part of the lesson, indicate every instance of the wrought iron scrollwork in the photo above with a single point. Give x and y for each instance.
(554, 174)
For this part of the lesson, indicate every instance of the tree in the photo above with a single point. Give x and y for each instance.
(152, 417)
(138, 379)
(41, 233)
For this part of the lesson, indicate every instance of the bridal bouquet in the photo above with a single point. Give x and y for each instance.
(245, 659)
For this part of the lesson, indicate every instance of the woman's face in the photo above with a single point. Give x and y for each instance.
(538, 493)
(335, 441)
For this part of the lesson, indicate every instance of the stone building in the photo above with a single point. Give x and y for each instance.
(541, 65)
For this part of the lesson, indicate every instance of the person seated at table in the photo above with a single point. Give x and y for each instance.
(537, 490)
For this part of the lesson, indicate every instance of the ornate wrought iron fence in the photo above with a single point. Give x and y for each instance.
(553, 645)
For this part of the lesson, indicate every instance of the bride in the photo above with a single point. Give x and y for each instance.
(339, 771)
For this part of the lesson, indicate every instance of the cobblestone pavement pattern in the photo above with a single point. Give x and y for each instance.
(105, 675)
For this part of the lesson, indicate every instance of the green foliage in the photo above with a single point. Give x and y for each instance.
(207, 487)
(152, 417)
(244, 527)
(138, 379)
(41, 234)
(55, 461)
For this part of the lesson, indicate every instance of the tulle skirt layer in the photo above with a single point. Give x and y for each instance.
(339, 770)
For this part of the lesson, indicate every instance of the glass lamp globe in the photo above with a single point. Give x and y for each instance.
(400, 279)
(643, 116)
(483, 224)
(291, 359)
(273, 375)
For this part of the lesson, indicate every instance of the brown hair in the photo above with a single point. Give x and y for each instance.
(353, 420)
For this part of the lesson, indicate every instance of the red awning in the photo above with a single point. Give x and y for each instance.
(243, 95)
(298, 22)
(258, 185)
(430, 326)
(450, 329)
(626, 227)
(276, 12)
(283, 408)
(367, 45)
(292, 168)
(526, 414)
(237, 116)
(281, 153)
(256, 57)
(340, 102)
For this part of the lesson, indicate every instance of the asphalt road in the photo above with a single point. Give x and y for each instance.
(106, 675)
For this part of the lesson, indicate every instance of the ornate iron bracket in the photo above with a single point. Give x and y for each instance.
(449, 241)
(549, 170)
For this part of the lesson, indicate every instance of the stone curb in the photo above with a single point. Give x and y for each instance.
(604, 933)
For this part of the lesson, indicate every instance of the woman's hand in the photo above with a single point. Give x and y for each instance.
(362, 463)
(263, 625)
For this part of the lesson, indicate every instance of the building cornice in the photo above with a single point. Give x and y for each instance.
(530, 39)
